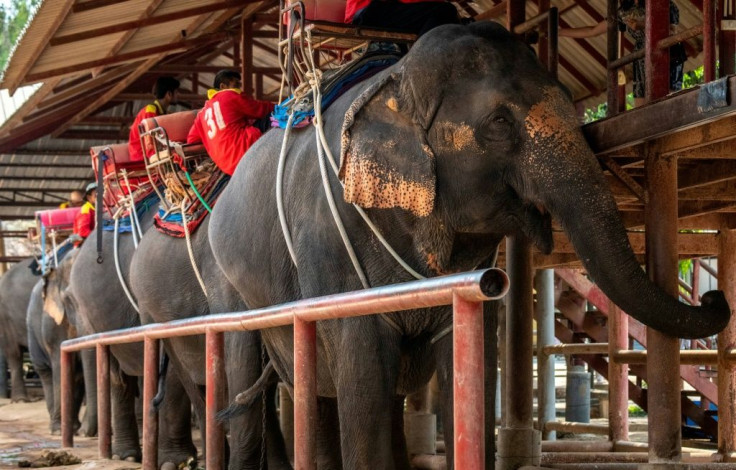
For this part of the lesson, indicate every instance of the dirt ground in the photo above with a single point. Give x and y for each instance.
(24, 435)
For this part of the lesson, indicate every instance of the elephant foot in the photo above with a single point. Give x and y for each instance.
(170, 459)
(20, 400)
(56, 432)
(129, 455)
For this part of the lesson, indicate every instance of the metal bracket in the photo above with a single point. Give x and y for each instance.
(713, 95)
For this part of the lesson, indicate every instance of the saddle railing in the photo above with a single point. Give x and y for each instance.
(465, 292)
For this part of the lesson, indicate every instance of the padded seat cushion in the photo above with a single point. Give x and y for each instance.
(177, 125)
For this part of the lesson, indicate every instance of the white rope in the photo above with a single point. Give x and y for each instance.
(280, 188)
(53, 248)
(134, 222)
(189, 246)
(117, 264)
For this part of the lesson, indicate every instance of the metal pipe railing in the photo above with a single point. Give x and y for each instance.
(465, 292)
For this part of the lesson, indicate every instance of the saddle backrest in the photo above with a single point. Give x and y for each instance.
(118, 158)
(58, 219)
(176, 125)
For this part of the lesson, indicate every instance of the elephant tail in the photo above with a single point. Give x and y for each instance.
(162, 369)
(244, 400)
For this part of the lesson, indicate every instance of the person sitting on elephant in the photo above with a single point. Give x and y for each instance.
(229, 122)
(84, 222)
(166, 91)
(410, 16)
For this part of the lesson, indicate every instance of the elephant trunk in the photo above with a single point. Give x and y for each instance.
(594, 227)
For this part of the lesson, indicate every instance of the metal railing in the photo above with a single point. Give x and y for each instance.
(465, 292)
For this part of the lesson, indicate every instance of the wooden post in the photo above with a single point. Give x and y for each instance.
(515, 13)
(618, 375)
(612, 41)
(519, 443)
(656, 61)
(104, 410)
(726, 341)
(246, 51)
(726, 40)
(709, 40)
(663, 358)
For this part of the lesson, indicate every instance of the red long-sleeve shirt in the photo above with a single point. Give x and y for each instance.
(225, 126)
(84, 222)
(134, 138)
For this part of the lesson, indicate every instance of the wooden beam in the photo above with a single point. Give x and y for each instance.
(688, 209)
(719, 150)
(127, 57)
(93, 4)
(723, 191)
(43, 178)
(678, 115)
(114, 91)
(43, 165)
(492, 13)
(12, 189)
(149, 21)
(29, 106)
(706, 173)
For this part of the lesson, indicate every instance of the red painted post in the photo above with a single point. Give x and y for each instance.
(305, 394)
(618, 375)
(104, 414)
(215, 385)
(612, 45)
(67, 399)
(709, 40)
(656, 61)
(727, 340)
(468, 384)
(150, 416)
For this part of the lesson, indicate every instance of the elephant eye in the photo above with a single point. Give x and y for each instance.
(500, 120)
(498, 127)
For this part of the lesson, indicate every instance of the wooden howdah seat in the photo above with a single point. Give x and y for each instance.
(116, 161)
(166, 153)
(325, 19)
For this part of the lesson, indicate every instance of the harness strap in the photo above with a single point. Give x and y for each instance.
(446, 331)
(390, 322)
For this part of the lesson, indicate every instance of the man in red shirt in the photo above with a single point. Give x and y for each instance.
(226, 123)
(84, 222)
(166, 91)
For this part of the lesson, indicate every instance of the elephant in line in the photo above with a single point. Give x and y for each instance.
(166, 288)
(467, 139)
(52, 319)
(15, 292)
(102, 306)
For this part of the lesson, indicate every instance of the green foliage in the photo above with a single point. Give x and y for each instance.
(693, 78)
(635, 411)
(13, 19)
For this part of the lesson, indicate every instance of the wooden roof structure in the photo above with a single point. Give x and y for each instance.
(96, 61)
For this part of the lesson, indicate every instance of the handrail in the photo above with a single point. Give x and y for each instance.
(665, 43)
(476, 286)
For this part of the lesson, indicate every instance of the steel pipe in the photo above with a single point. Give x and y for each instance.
(473, 286)
(593, 457)
(215, 399)
(580, 428)
(468, 384)
(104, 411)
(150, 415)
(305, 395)
(67, 399)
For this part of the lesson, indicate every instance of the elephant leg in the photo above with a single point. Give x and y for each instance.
(79, 391)
(17, 385)
(3, 374)
(366, 383)
(398, 439)
(89, 366)
(275, 445)
(329, 454)
(56, 374)
(47, 383)
(123, 390)
(175, 446)
(246, 430)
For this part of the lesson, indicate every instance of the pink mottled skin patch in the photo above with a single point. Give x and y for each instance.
(458, 137)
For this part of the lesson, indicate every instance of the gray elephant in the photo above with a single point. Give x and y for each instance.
(102, 305)
(465, 140)
(51, 320)
(167, 289)
(15, 292)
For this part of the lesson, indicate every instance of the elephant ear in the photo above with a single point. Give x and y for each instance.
(385, 160)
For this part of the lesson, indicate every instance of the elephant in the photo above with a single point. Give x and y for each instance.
(15, 292)
(467, 139)
(102, 305)
(51, 320)
(165, 285)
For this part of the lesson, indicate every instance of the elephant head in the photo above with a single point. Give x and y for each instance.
(472, 137)
(58, 303)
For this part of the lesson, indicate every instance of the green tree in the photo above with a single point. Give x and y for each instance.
(13, 19)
